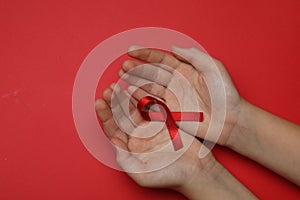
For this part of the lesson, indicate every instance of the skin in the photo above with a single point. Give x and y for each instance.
(274, 146)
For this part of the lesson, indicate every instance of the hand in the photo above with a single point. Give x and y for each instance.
(196, 67)
(195, 178)
(177, 175)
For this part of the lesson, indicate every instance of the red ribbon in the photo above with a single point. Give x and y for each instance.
(169, 117)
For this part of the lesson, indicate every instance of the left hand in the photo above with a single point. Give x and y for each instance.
(177, 175)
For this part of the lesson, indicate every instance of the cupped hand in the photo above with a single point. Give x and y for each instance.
(146, 159)
(197, 67)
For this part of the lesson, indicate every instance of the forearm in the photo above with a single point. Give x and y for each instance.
(269, 140)
(220, 184)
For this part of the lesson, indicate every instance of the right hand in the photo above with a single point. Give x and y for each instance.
(196, 66)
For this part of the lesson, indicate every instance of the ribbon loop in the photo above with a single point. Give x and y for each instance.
(169, 117)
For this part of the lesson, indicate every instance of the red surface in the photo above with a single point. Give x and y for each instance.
(43, 44)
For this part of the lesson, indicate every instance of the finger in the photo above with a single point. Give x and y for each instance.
(135, 113)
(129, 115)
(134, 80)
(156, 90)
(116, 108)
(155, 73)
(128, 65)
(199, 59)
(118, 143)
(110, 127)
(150, 87)
(107, 93)
(153, 56)
(139, 93)
(131, 64)
(105, 115)
(102, 110)
(120, 109)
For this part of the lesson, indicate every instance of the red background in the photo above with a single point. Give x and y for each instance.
(43, 44)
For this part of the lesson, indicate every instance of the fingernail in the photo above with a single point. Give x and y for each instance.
(135, 47)
(174, 47)
(121, 72)
(126, 65)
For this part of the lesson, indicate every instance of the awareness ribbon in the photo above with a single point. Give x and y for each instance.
(169, 117)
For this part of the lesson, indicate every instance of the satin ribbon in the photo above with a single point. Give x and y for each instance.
(169, 117)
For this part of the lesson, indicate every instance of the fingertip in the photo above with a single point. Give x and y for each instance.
(127, 65)
(112, 85)
(121, 72)
(107, 94)
(174, 47)
(115, 87)
(179, 53)
(102, 110)
(100, 105)
(134, 48)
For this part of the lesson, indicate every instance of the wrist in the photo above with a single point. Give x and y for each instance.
(214, 183)
(243, 135)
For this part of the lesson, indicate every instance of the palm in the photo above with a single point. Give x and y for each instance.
(169, 176)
